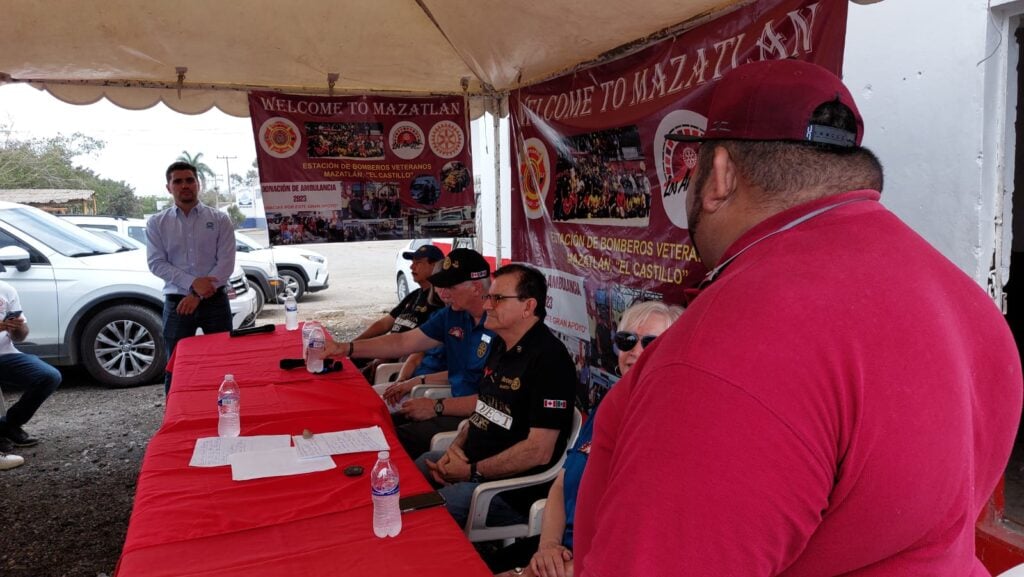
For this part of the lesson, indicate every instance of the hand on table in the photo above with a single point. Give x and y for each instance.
(395, 392)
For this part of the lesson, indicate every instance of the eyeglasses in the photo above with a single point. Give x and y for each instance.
(495, 299)
(626, 340)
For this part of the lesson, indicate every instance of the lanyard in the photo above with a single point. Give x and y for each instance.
(713, 273)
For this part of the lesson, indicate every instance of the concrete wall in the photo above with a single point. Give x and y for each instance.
(932, 115)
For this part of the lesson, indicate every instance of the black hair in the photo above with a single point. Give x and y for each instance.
(531, 285)
(181, 165)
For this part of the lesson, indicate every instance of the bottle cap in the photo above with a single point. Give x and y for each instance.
(384, 455)
(229, 377)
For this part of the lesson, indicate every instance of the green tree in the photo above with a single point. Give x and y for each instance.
(203, 170)
(236, 215)
(50, 163)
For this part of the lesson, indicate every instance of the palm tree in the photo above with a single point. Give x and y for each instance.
(203, 170)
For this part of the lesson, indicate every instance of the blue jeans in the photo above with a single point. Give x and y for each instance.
(37, 379)
(458, 496)
(213, 315)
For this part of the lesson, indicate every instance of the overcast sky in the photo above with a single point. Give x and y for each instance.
(139, 143)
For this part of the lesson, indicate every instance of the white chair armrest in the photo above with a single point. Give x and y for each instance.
(536, 518)
(385, 371)
(431, 391)
(441, 441)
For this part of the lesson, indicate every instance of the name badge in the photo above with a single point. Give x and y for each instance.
(493, 415)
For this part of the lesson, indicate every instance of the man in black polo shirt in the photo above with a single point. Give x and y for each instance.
(415, 308)
(523, 415)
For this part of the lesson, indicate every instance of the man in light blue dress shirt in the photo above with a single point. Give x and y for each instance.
(191, 247)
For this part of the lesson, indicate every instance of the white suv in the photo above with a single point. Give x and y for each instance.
(89, 301)
(301, 270)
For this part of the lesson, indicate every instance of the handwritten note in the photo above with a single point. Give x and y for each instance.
(214, 451)
(341, 442)
(275, 463)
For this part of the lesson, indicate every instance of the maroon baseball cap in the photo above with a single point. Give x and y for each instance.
(774, 100)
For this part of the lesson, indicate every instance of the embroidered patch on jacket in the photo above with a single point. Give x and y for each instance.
(209, 225)
(555, 404)
(585, 448)
(481, 350)
(455, 332)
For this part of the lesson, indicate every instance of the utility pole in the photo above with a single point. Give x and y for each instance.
(227, 165)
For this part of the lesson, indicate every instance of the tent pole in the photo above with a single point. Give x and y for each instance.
(496, 118)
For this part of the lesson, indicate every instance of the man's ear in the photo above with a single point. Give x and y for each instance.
(722, 182)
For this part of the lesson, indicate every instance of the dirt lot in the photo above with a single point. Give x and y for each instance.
(65, 512)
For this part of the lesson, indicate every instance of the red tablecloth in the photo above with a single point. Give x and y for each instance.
(197, 521)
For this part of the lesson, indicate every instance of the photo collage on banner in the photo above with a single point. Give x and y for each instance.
(599, 195)
(354, 168)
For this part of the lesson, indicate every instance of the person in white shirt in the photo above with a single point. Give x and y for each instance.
(37, 379)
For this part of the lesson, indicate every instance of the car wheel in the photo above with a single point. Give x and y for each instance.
(261, 297)
(123, 346)
(403, 287)
(293, 283)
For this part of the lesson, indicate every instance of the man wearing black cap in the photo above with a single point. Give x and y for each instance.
(415, 308)
(839, 399)
(462, 282)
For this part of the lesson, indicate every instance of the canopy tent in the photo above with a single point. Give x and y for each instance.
(193, 55)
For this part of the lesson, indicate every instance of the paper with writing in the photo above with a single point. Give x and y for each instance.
(341, 442)
(214, 451)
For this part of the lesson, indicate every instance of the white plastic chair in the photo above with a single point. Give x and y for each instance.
(385, 372)
(431, 391)
(1017, 571)
(476, 525)
(535, 520)
(3, 404)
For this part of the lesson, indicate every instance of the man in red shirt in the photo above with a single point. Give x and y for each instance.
(839, 399)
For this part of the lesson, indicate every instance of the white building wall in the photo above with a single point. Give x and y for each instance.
(913, 68)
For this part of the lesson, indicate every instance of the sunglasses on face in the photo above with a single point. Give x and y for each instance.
(626, 340)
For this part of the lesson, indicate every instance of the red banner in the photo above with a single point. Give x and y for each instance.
(353, 168)
(599, 193)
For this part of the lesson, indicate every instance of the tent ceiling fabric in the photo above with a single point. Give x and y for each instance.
(128, 51)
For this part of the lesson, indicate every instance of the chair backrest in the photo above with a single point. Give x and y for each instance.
(476, 524)
(3, 404)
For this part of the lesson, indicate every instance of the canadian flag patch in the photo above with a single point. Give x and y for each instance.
(555, 404)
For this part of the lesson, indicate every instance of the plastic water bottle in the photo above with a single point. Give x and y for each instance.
(387, 518)
(291, 313)
(228, 406)
(315, 346)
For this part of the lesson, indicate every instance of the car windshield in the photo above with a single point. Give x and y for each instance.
(60, 235)
(242, 239)
(124, 242)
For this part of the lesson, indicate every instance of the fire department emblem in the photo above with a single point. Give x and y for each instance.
(534, 176)
(279, 137)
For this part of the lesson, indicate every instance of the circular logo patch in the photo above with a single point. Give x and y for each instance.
(406, 140)
(446, 139)
(676, 161)
(279, 137)
(534, 177)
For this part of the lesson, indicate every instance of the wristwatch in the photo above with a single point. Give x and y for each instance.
(474, 475)
(439, 407)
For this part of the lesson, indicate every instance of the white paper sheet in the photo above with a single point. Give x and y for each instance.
(214, 451)
(341, 442)
(275, 463)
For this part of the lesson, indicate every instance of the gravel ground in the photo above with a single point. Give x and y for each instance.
(65, 511)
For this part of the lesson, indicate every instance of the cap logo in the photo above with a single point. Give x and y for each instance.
(447, 263)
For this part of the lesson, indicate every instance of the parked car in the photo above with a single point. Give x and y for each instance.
(301, 270)
(131, 227)
(90, 301)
